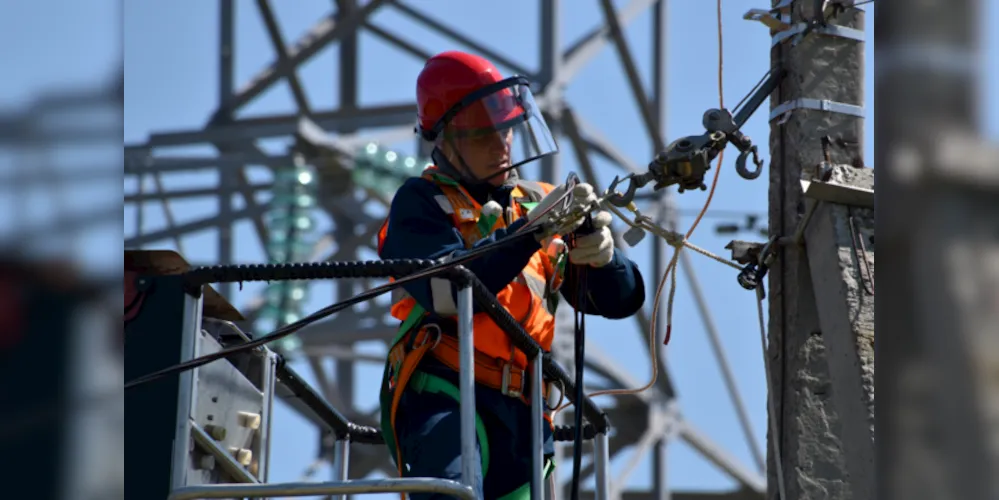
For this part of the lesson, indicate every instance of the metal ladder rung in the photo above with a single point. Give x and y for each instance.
(353, 487)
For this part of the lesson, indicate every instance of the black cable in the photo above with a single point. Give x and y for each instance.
(407, 270)
(213, 275)
(220, 274)
(582, 297)
(735, 109)
(580, 345)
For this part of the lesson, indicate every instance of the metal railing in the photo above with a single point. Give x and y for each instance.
(471, 293)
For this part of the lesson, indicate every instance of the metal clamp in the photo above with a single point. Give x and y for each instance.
(819, 104)
(772, 18)
(828, 29)
(507, 377)
(768, 17)
(751, 276)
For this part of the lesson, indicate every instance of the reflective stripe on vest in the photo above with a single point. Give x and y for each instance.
(525, 297)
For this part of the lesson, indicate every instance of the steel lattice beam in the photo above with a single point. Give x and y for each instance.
(237, 138)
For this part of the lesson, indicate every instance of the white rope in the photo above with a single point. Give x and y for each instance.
(772, 419)
(672, 238)
(678, 241)
(706, 253)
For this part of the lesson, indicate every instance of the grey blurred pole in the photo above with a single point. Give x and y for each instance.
(470, 467)
(938, 210)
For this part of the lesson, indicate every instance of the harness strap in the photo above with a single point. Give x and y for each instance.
(401, 372)
(491, 372)
(397, 382)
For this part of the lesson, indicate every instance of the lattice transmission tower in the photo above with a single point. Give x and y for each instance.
(334, 167)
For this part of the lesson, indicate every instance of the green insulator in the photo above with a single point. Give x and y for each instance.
(279, 250)
(306, 178)
(296, 200)
(290, 317)
(288, 346)
(303, 223)
(365, 178)
(269, 312)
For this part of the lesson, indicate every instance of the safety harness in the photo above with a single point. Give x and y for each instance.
(415, 339)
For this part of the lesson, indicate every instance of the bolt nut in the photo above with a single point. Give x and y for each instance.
(217, 432)
(242, 455)
(249, 420)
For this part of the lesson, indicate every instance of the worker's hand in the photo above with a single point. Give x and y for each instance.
(582, 194)
(597, 248)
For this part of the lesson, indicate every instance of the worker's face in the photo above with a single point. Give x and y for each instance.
(483, 154)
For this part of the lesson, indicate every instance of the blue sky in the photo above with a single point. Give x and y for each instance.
(170, 51)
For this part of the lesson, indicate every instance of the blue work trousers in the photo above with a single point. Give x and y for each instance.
(427, 427)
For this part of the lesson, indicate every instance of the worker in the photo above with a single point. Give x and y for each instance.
(472, 196)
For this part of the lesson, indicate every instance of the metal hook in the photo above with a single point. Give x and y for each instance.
(740, 164)
(636, 181)
(621, 200)
(570, 184)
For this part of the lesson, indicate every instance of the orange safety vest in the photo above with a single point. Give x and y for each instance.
(524, 298)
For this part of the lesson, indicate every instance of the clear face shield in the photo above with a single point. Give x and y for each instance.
(495, 130)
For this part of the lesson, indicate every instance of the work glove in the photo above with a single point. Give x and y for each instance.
(597, 248)
(539, 216)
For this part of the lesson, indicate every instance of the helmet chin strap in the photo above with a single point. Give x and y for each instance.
(465, 174)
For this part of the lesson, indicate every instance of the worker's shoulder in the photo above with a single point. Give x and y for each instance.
(416, 187)
(414, 197)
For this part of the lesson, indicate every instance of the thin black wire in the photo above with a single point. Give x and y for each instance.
(580, 361)
(752, 91)
(564, 201)
(326, 311)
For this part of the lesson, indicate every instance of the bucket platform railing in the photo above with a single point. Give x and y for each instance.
(290, 387)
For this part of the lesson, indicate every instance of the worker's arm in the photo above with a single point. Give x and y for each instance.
(418, 228)
(615, 291)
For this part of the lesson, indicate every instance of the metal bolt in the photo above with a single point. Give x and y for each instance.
(217, 432)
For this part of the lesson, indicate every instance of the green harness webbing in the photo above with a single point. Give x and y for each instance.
(524, 492)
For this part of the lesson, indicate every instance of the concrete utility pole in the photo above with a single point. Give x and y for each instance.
(939, 202)
(820, 283)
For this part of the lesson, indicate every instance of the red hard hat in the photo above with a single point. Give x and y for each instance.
(447, 80)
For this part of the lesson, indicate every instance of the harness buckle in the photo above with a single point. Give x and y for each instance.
(436, 335)
(506, 389)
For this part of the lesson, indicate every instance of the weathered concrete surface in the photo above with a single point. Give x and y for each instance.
(839, 242)
(819, 67)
